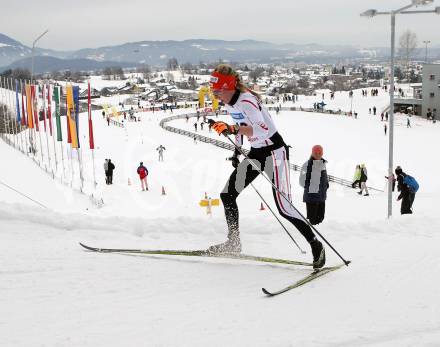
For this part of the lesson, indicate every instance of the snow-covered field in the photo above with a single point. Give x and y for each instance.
(52, 293)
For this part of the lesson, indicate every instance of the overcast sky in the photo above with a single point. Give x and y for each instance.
(94, 23)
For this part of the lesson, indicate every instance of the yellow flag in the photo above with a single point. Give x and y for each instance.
(71, 117)
(29, 107)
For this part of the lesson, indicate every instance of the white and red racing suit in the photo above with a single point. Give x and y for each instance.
(270, 153)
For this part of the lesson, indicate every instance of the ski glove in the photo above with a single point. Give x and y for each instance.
(225, 129)
(234, 159)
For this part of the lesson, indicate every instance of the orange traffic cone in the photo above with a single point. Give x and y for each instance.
(163, 191)
(262, 207)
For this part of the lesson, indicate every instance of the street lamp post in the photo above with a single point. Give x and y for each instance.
(427, 42)
(403, 10)
(33, 53)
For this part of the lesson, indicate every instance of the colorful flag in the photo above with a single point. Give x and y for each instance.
(17, 102)
(69, 138)
(71, 117)
(23, 117)
(76, 102)
(43, 94)
(89, 110)
(29, 106)
(34, 93)
(49, 109)
(57, 96)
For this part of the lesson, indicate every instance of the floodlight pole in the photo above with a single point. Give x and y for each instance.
(33, 53)
(427, 42)
(403, 10)
(391, 120)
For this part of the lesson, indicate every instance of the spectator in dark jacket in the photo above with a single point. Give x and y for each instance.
(110, 169)
(314, 179)
(406, 195)
(106, 170)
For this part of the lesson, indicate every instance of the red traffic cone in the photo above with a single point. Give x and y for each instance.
(163, 191)
(262, 207)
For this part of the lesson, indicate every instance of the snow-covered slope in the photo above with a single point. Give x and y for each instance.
(54, 293)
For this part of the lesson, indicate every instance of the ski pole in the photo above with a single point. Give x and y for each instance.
(276, 217)
(279, 221)
(346, 262)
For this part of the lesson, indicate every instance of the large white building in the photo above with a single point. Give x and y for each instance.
(431, 89)
(426, 95)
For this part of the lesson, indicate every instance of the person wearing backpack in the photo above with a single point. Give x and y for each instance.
(357, 177)
(363, 180)
(407, 186)
(143, 173)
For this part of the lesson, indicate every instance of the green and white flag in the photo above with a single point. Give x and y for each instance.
(57, 99)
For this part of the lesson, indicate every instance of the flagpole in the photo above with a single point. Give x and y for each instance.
(62, 160)
(49, 109)
(58, 107)
(5, 93)
(74, 113)
(68, 115)
(17, 103)
(43, 94)
(29, 130)
(37, 119)
(81, 176)
(18, 112)
(17, 140)
(71, 167)
(30, 110)
(5, 109)
(11, 112)
(24, 115)
(3, 105)
(91, 139)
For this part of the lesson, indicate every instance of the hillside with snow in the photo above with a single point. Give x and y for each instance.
(54, 293)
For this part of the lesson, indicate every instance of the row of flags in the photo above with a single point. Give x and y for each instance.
(28, 113)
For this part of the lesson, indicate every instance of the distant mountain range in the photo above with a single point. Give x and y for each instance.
(14, 54)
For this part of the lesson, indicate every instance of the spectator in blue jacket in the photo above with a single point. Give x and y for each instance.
(314, 179)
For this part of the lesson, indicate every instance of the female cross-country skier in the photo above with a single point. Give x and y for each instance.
(268, 151)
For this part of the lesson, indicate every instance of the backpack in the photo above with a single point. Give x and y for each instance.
(411, 183)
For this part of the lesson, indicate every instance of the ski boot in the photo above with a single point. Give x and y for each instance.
(318, 252)
(232, 245)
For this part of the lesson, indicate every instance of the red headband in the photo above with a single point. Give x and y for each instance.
(220, 81)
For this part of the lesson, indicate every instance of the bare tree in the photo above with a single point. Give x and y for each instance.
(407, 46)
(107, 72)
(145, 70)
(256, 73)
(17, 74)
(172, 64)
